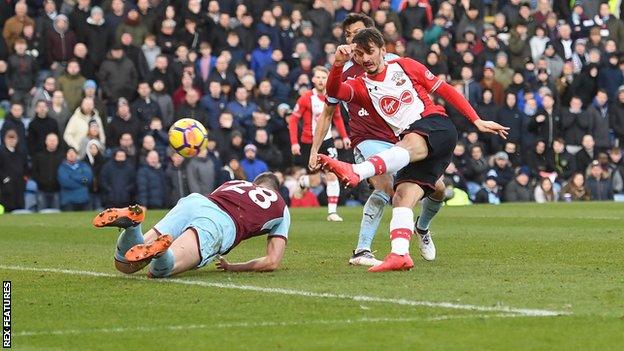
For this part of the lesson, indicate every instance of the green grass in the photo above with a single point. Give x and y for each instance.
(564, 257)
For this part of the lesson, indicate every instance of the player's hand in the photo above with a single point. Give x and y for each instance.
(347, 143)
(313, 164)
(295, 149)
(222, 263)
(343, 54)
(492, 128)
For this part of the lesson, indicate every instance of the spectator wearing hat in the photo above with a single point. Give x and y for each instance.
(166, 39)
(501, 169)
(59, 43)
(13, 168)
(519, 189)
(74, 178)
(574, 124)
(45, 164)
(251, 165)
(98, 36)
(78, 125)
(616, 116)
(71, 83)
(598, 183)
(598, 114)
(489, 82)
(502, 72)
(490, 192)
(39, 127)
(123, 122)
(310, 39)
(133, 25)
(118, 76)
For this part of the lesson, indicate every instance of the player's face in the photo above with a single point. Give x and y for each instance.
(370, 58)
(319, 80)
(352, 30)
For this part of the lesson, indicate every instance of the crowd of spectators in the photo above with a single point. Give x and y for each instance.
(89, 88)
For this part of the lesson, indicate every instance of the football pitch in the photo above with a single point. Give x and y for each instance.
(510, 277)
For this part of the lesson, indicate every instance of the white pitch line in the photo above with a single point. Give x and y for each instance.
(148, 329)
(501, 309)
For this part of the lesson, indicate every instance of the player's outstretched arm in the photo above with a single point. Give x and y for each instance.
(335, 87)
(276, 245)
(322, 126)
(452, 96)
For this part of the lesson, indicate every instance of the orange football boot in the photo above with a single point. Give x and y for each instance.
(394, 262)
(120, 217)
(148, 251)
(344, 171)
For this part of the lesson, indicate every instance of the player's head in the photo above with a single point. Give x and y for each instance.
(319, 78)
(353, 23)
(267, 180)
(369, 50)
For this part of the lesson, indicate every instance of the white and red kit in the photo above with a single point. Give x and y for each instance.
(398, 96)
(309, 108)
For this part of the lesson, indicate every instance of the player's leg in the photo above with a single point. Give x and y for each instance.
(129, 238)
(371, 217)
(406, 196)
(181, 256)
(332, 190)
(430, 207)
(412, 148)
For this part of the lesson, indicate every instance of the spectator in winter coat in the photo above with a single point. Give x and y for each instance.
(98, 36)
(204, 173)
(261, 56)
(490, 193)
(519, 190)
(13, 27)
(545, 192)
(242, 109)
(45, 93)
(540, 160)
(118, 76)
(251, 165)
(599, 120)
(176, 181)
(501, 169)
(546, 124)
(151, 189)
(213, 103)
(71, 84)
(39, 127)
(574, 124)
(22, 73)
(510, 116)
(616, 116)
(13, 120)
(565, 163)
(78, 125)
(74, 177)
(94, 157)
(192, 109)
(117, 181)
(164, 101)
(60, 43)
(59, 111)
(598, 183)
(267, 151)
(575, 189)
(13, 168)
(477, 165)
(144, 108)
(123, 122)
(45, 165)
(611, 77)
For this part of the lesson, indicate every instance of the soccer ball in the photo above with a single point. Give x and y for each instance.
(188, 137)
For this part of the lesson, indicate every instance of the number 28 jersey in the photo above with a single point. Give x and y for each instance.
(255, 210)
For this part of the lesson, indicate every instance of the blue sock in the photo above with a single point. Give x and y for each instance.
(430, 208)
(373, 211)
(162, 266)
(127, 239)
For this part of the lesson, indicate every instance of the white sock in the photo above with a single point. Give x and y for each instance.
(387, 161)
(333, 193)
(401, 229)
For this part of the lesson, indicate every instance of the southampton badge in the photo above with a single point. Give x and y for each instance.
(398, 78)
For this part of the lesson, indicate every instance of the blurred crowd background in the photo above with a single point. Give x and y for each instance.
(89, 88)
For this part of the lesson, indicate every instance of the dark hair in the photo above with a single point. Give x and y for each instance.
(357, 17)
(368, 36)
(268, 180)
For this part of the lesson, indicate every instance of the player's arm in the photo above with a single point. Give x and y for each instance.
(322, 126)
(340, 126)
(336, 88)
(276, 245)
(293, 126)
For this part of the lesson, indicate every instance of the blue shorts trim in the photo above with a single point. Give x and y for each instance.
(215, 229)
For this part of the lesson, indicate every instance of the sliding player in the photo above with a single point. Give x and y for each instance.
(368, 138)
(309, 107)
(397, 93)
(201, 228)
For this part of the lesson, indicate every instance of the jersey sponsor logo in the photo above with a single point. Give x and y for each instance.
(363, 113)
(390, 104)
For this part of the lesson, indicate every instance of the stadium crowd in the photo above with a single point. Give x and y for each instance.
(89, 88)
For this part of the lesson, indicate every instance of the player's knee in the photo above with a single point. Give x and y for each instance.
(440, 191)
(416, 145)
